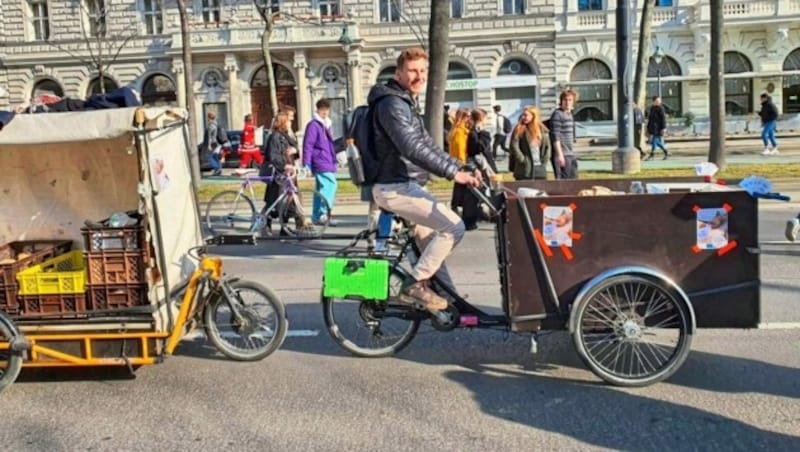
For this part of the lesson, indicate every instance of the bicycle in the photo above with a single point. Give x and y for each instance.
(234, 212)
(244, 320)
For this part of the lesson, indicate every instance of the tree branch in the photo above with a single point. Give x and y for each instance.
(413, 24)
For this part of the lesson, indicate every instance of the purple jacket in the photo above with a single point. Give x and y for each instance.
(318, 150)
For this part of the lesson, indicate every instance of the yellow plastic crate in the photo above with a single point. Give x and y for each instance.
(61, 275)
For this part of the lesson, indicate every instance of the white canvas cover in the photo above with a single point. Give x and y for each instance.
(59, 169)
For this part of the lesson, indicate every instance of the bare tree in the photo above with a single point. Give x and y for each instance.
(268, 15)
(102, 48)
(439, 33)
(410, 18)
(188, 83)
(643, 57)
(716, 152)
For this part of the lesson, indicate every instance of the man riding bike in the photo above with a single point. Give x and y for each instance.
(403, 146)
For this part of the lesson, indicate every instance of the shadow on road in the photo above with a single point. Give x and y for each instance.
(607, 417)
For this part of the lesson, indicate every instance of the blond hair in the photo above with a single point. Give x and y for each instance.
(535, 128)
(411, 54)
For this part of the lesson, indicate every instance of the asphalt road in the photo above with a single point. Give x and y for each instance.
(459, 391)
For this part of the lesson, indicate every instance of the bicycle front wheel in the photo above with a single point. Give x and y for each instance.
(255, 330)
(10, 361)
(296, 213)
(370, 328)
(230, 212)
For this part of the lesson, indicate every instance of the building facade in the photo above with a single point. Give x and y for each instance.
(508, 52)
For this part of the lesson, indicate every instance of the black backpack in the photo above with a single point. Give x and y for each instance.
(360, 130)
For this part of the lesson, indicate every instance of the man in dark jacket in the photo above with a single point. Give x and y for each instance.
(769, 121)
(656, 128)
(401, 145)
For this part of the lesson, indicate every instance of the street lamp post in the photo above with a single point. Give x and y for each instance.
(658, 57)
(345, 40)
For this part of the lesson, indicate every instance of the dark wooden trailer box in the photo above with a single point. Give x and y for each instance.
(657, 231)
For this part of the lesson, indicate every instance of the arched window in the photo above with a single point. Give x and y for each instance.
(513, 99)
(459, 98)
(670, 91)
(158, 89)
(386, 74)
(791, 83)
(283, 77)
(594, 99)
(47, 86)
(515, 67)
(94, 86)
(458, 71)
(738, 90)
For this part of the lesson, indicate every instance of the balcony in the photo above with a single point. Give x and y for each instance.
(682, 16)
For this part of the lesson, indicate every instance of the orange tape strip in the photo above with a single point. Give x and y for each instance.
(576, 235)
(731, 245)
(572, 206)
(696, 249)
(567, 252)
(696, 208)
(537, 234)
(727, 207)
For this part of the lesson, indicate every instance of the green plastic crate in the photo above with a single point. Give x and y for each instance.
(356, 277)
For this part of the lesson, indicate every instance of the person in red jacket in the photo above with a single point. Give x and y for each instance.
(247, 146)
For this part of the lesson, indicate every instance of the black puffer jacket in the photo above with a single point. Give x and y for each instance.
(402, 145)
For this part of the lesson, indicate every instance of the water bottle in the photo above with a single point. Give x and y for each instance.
(354, 162)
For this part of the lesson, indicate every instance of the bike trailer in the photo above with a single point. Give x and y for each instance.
(105, 302)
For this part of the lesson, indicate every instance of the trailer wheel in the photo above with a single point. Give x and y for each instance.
(10, 360)
(632, 330)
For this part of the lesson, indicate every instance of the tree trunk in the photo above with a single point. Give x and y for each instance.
(439, 36)
(189, 94)
(265, 38)
(643, 57)
(716, 153)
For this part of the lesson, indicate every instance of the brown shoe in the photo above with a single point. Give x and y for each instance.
(420, 294)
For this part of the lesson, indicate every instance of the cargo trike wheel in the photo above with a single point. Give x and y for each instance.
(10, 360)
(632, 330)
(370, 328)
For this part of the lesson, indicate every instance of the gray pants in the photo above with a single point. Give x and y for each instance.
(437, 228)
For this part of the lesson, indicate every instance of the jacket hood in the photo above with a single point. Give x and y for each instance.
(390, 88)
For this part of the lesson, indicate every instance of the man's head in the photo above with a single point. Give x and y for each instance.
(323, 108)
(764, 97)
(656, 100)
(496, 109)
(567, 99)
(211, 116)
(446, 108)
(412, 70)
(248, 118)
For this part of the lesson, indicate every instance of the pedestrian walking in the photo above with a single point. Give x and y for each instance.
(247, 146)
(214, 139)
(458, 150)
(638, 122)
(502, 127)
(319, 157)
(657, 128)
(769, 122)
(562, 137)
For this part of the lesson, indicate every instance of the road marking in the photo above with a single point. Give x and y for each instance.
(199, 334)
(779, 326)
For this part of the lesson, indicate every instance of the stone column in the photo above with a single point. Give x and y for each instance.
(180, 84)
(236, 121)
(356, 95)
(304, 107)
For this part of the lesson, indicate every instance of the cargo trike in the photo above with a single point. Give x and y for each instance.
(628, 269)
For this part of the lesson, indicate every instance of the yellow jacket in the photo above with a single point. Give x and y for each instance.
(458, 143)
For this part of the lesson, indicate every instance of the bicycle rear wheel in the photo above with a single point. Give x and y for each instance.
(372, 329)
(230, 212)
(296, 211)
(260, 328)
(10, 361)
